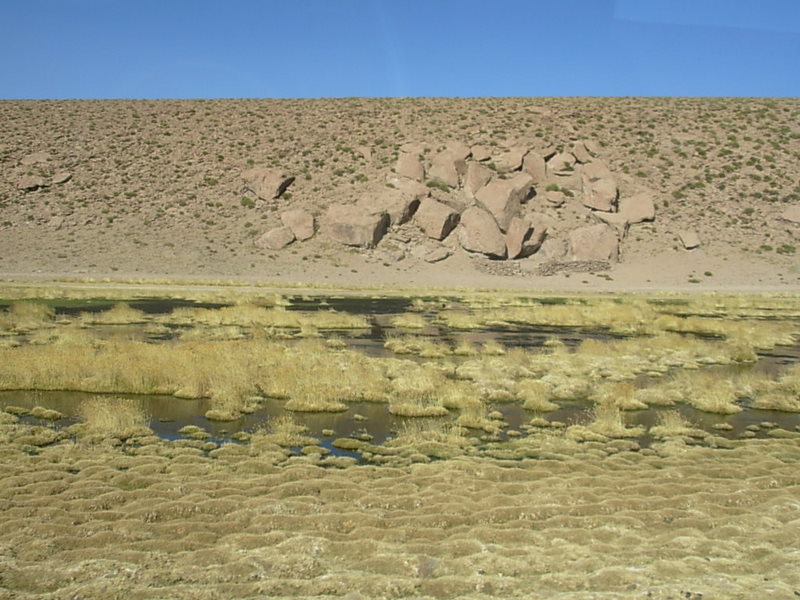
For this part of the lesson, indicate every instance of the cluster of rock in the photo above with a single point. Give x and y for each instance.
(487, 202)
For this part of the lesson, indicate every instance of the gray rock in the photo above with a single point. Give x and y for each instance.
(266, 183)
(409, 165)
(689, 239)
(275, 239)
(437, 220)
(479, 233)
(503, 198)
(353, 226)
(594, 242)
(300, 222)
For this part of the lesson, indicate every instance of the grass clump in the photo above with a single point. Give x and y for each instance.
(114, 416)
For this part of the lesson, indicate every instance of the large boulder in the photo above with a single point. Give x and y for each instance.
(476, 177)
(599, 187)
(437, 220)
(275, 239)
(638, 208)
(399, 205)
(300, 223)
(448, 167)
(409, 187)
(409, 165)
(535, 166)
(479, 233)
(355, 226)
(581, 153)
(266, 183)
(510, 160)
(503, 197)
(522, 239)
(594, 243)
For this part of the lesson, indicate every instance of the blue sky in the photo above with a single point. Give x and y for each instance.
(337, 48)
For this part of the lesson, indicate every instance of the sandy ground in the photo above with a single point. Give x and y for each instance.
(160, 520)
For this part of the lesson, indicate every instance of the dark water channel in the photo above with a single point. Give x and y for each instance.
(372, 420)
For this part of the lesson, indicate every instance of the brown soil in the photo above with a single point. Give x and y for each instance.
(156, 186)
(163, 520)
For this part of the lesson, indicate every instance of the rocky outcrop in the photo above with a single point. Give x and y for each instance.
(510, 160)
(61, 177)
(353, 226)
(503, 198)
(481, 153)
(300, 222)
(479, 233)
(34, 158)
(275, 239)
(594, 243)
(561, 164)
(437, 220)
(266, 183)
(634, 209)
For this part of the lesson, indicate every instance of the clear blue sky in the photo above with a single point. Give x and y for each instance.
(335, 48)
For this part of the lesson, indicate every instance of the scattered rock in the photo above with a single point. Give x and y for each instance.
(30, 183)
(593, 147)
(479, 233)
(594, 243)
(437, 220)
(408, 165)
(535, 166)
(61, 177)
(34, 159)
(431, 254)
(275, 239)
(555, 199)
(792, 214)
(300, 222)
(555, 267)
(353, 226)
(503, 197)
(689, 239)
(266, 183)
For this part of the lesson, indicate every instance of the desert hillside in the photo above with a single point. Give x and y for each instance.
(494, 192)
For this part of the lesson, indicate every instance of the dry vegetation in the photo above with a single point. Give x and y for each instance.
(155, 185)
